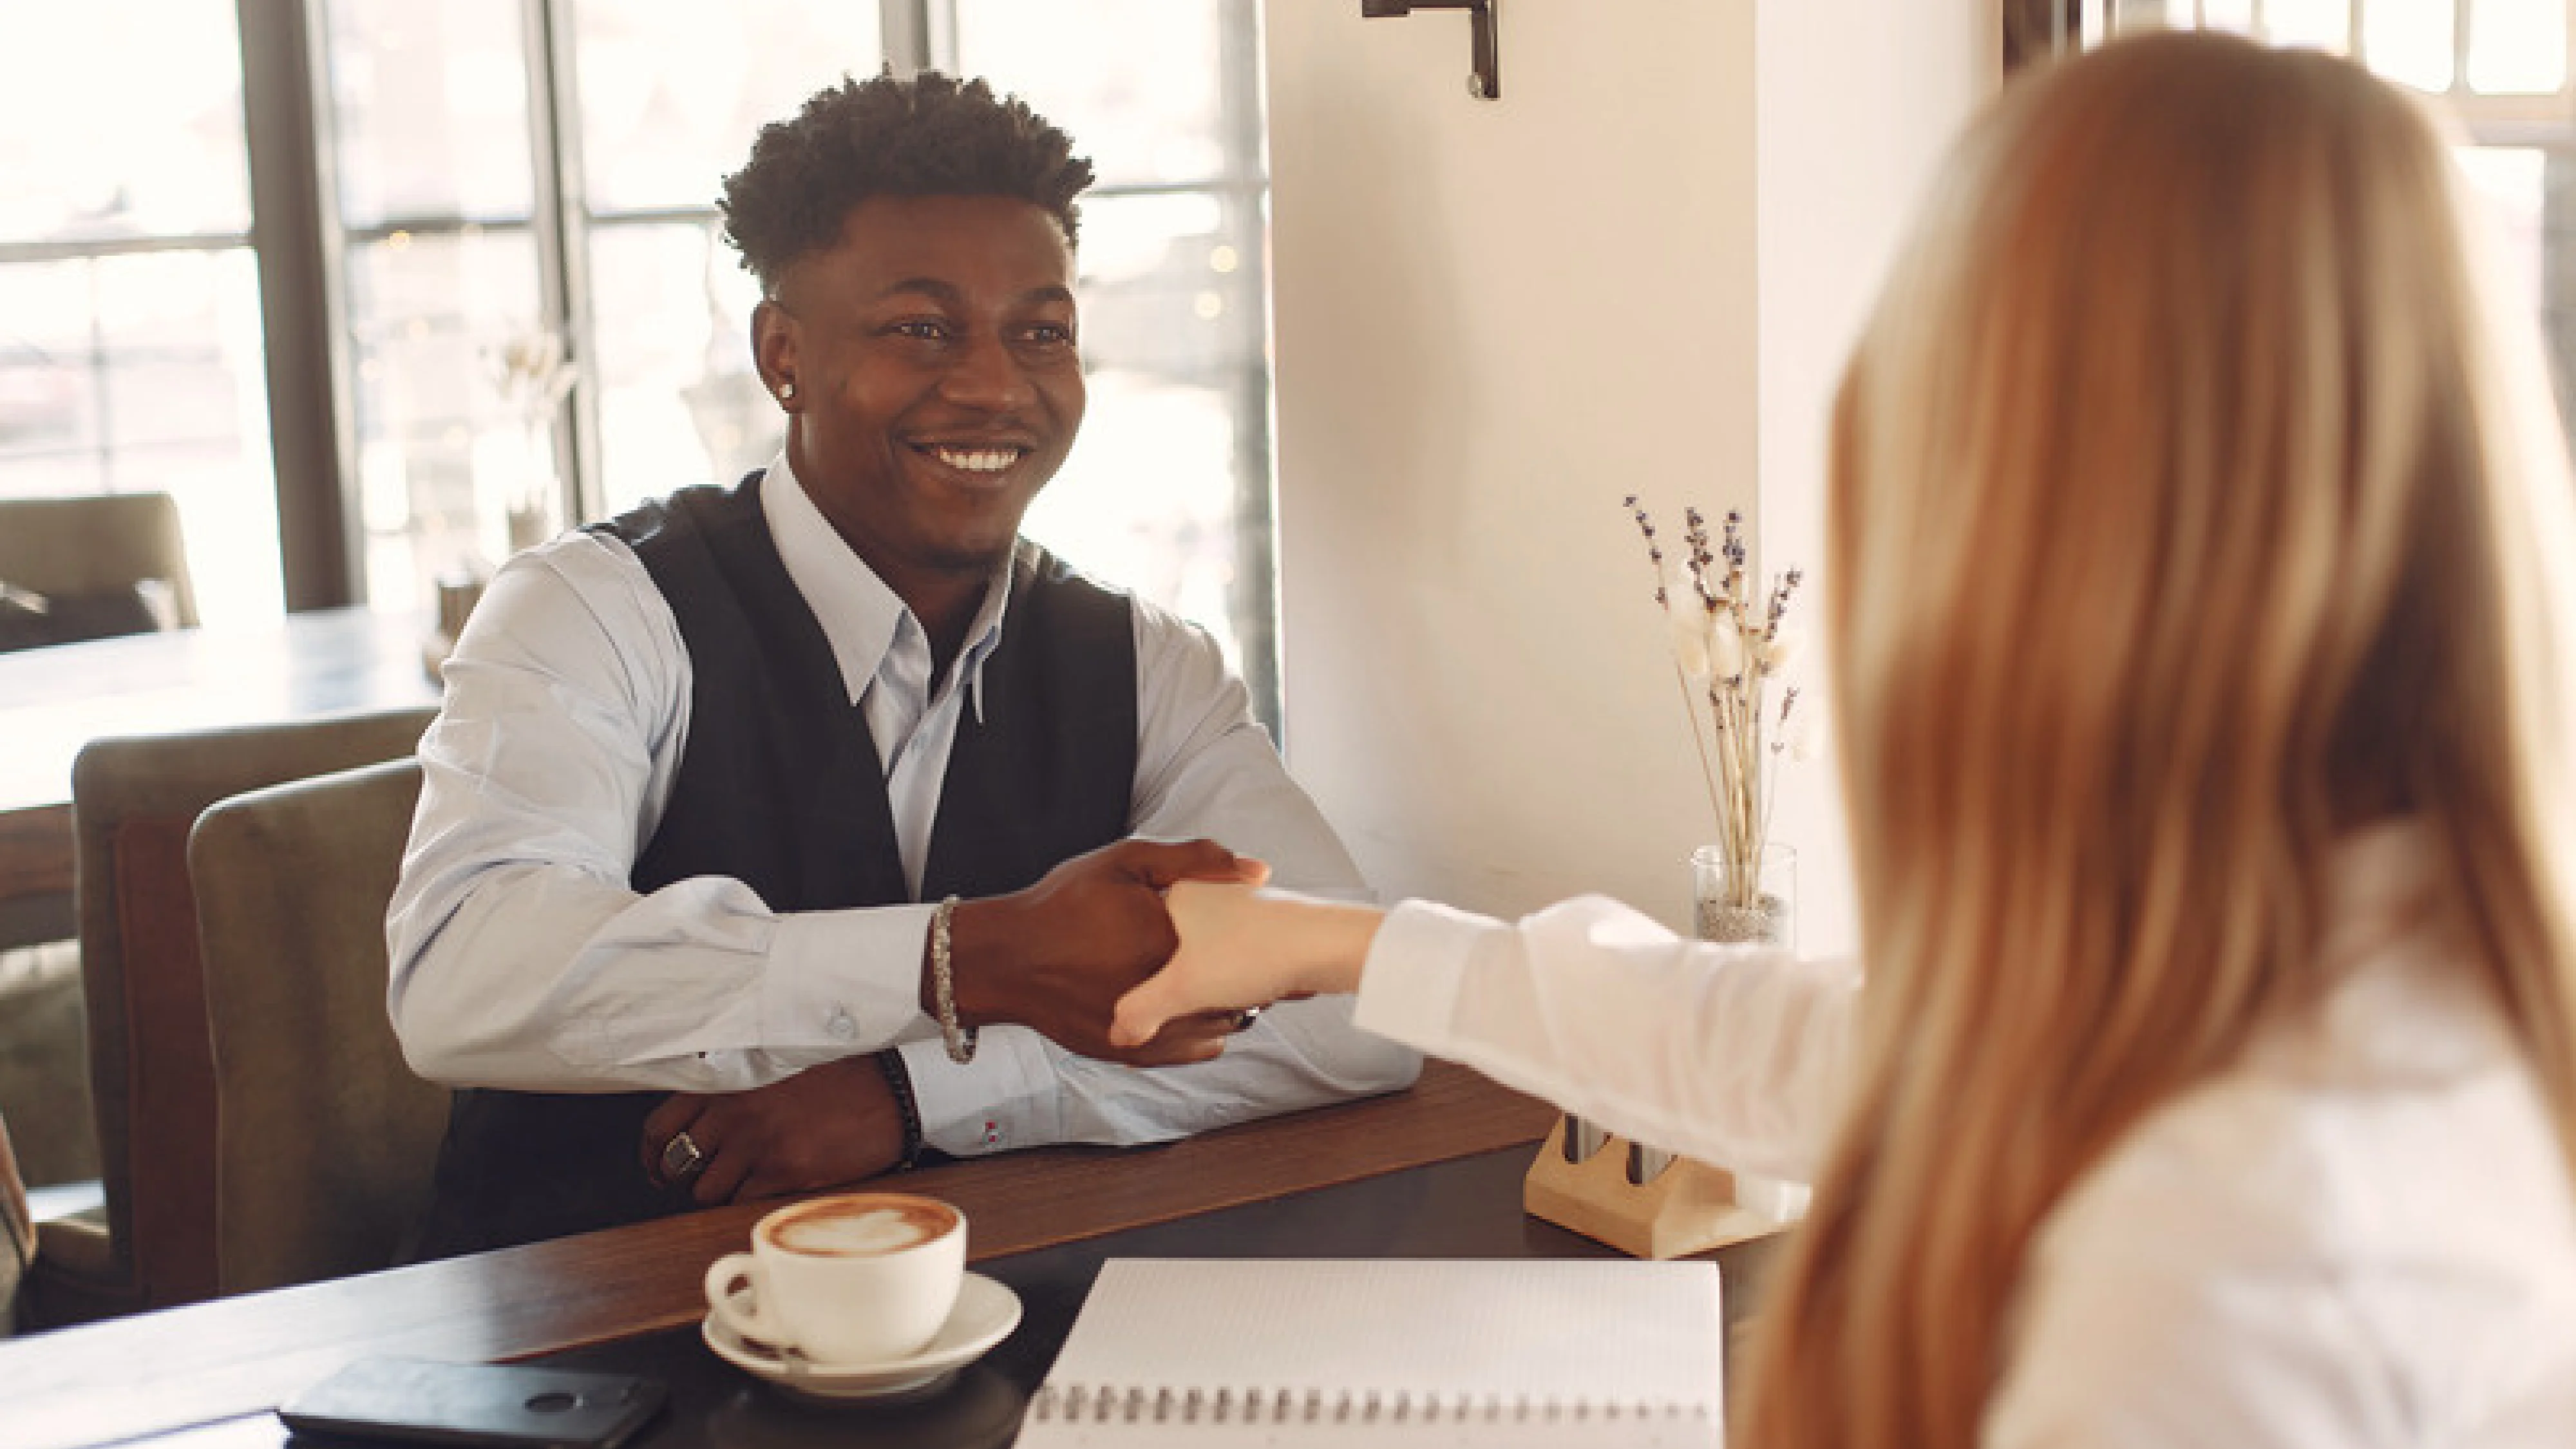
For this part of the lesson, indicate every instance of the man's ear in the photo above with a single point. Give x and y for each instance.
(774, 352)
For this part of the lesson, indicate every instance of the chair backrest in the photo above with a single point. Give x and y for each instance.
(325, 1139)
(134, 801)
(97, 544)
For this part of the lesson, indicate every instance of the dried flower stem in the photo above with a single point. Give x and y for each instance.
(1729, 641)
(1707, 775)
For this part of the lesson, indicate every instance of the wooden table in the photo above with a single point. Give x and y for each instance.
(1463, 1207)
(209, 1373)
(55, 700)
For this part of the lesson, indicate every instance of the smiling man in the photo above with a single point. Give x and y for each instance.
(774, 835)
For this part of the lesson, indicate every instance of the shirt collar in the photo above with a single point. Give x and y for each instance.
(862, 618)
(2402, 1000)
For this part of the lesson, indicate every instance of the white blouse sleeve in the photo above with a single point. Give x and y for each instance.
(1735, 1055)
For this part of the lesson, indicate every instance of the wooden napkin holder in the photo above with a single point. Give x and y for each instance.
(1687, 1208)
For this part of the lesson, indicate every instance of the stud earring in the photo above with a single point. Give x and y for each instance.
(787, 390)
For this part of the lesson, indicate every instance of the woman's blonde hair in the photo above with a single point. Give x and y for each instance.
(2196, 498)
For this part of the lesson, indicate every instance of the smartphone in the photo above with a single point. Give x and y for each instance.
(497, 1406)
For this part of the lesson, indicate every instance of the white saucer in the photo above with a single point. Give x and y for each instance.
(985, 1314)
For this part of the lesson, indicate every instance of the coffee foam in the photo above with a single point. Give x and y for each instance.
(863, 1228)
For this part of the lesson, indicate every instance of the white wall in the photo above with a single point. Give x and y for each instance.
(1858, 101)
(1494, 319)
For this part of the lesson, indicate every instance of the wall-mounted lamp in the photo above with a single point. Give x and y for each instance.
(1485, 82)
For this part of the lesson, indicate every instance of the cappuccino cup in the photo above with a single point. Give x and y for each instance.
(854, 1278)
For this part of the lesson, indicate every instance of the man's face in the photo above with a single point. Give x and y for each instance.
(937, 385)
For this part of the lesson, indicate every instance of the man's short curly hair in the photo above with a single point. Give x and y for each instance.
(931, 135)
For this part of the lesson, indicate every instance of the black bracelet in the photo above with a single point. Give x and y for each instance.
(899, 1082)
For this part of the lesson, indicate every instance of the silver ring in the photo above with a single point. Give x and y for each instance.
(1244, 1019)
(682, 1157)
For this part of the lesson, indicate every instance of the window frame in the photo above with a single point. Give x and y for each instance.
(2528, 119)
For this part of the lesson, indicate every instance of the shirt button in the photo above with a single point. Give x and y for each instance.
(841, 1026)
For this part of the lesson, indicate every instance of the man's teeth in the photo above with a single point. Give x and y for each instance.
(977, 460)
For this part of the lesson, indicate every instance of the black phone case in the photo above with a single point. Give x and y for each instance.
(500, 1406)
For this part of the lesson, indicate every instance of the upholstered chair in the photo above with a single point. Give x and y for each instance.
(134, 800)
(324, 1138)
(85, 559)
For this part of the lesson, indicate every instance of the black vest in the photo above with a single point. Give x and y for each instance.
(780, 787)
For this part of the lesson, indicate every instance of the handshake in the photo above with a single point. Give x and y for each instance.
(1141, 952)
(1149, 953)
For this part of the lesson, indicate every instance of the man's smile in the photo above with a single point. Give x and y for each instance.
(975, 458)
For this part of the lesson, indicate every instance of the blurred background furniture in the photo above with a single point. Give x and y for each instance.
(17, 1234)
(44, 1074)
(52, 702)
(35, 886)
(324, 1138)
(151, 1072)
(92, 566)
(320, 662)
(71, 569)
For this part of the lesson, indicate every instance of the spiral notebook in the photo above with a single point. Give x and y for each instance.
(1391, 1351)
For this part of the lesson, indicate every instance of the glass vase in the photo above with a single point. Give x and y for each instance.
(1768, 915)
(1722, 910)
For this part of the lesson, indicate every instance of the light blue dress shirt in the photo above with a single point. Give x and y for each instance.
(522, 959)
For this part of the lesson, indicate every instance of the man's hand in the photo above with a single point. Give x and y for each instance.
(823, 1127)
(1057, 956)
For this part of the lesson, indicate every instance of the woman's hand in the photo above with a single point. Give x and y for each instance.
(1057, 956)
(1245, 947)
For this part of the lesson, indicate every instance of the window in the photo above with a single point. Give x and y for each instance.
(670, 95)
(2501, 62)
(572, 153)
(483, 178)
(1169, 490)
(130, 327)
(2500, 67)
(429, 124)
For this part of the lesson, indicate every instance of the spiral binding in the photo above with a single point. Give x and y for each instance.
(1110, 1404)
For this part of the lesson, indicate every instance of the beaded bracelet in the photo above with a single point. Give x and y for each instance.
(943, 987)
(898, 1080)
